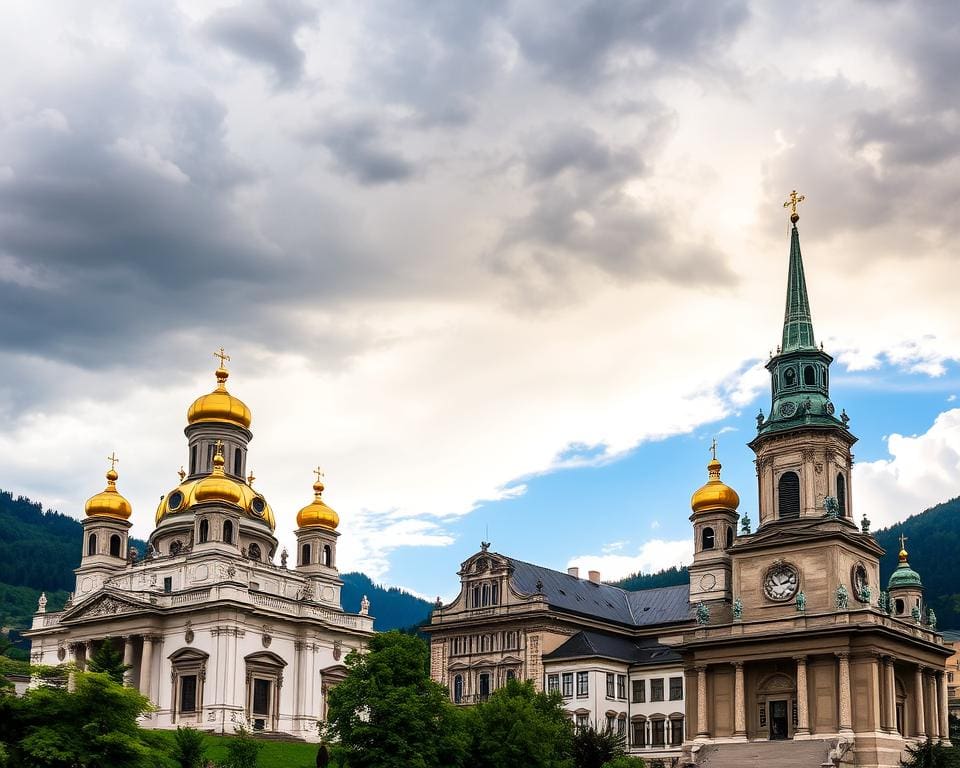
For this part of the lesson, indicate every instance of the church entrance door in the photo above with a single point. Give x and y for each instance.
(778, 720)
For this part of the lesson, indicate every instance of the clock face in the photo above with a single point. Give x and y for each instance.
(708, 581)
(781, 582)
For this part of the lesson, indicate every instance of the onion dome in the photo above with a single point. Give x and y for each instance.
(317, 514)
(904, 575)
(184, 496)
(109, 502)
(220, 405)
(715, 494)
(217, 486)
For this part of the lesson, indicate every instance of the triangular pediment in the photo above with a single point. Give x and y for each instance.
(805, 531)
(106, 604)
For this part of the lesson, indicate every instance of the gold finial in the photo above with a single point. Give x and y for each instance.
(182, 473)
(713, 449)
(219, 445)
(224, 357)
(319, 473)
(318, 485)
(112, 458)
(792, 204)
(250, 479)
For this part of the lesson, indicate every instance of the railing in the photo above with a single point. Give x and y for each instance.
(186, 598)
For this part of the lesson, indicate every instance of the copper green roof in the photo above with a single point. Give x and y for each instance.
(797, 323)
(904, 576)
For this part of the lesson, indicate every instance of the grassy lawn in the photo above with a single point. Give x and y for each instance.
(275, 754)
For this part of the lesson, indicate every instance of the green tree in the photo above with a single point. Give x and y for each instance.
(109, 660)
(518, 726)
(95, 726)
(189, 747)
(388, 713)
(592, 748)
(242, 750)
(930, 754)
(626, 762)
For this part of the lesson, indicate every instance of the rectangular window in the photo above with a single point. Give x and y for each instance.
(676, 732)
(659, 733)
(656, 689)
(553, 683)
(621, 686)
(583, 684)
(639, 733)
(610, 685)
(582, 721)
(168, 584)
(621, 726)
(188, 693)
(676, 688)
(484, 685)
(568, 684)
(611, 721)
(639, 691)
(261, 696)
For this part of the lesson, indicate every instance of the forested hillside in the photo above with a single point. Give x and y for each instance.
(669, 577)
(39, 550)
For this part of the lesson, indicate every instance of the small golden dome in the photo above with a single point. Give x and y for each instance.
(109, 502)
(220, 405)
(715, 494)
(217, 486)
(316, 513)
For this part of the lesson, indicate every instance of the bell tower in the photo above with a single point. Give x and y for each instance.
(802, 445)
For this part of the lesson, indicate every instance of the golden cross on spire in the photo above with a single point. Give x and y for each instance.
(219, 445)
(713, 448)
(224, 357)
(112, 458)
(792, 204)
(319, 473)
(903, 541)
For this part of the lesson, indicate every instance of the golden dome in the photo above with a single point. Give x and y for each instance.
(220, 405)
(317, 514)
(184, 496)
(109, 502)
(217, 486)
(715, 494)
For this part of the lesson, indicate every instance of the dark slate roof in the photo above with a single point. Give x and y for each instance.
(564, 592)
(586, 644)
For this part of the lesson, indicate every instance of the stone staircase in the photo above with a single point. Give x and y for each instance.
(764, 754)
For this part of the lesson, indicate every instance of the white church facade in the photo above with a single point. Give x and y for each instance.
(216, 633)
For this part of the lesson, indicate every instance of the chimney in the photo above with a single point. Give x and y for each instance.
(574, 571)
(595, 576)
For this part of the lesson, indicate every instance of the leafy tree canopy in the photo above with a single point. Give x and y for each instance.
(593, 748)
(109, 660)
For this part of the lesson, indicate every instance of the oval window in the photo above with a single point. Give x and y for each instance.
(175, 501)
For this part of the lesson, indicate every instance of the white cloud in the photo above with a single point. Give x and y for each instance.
(922, 470)
(654, 555)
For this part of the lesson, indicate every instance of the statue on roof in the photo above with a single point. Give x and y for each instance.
(703, 614)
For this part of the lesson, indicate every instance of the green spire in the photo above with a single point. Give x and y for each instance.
(797, 324)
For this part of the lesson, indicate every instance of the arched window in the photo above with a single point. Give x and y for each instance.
(327, 555)
(729, 537)
(92, 544)
(898, 607)
(204, 530)
(809, 377)
(842, 494)
(305, 554)
(789, 495)
(228, 532)
(707, 539)
(115, 546)
(457, 689)
(511, 674)
(476, 597)
(485, 595)
(789, 377)
(193, 460)
(238, 462)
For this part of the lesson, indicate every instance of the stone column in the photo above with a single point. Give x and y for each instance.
(739, 702)
(702, 731)
(128, 660)
(933, 715)
(803, 714)
(146, 664)
(944, 707)
(846, 718)
(889, 722)
(920, 727)
(74, 659)
(87, 654)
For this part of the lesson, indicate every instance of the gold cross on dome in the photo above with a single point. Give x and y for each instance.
(224, 357)
(903, 541)
(319, 473)
(112, 458)
(713, 448)
(219, 445)
(793, 202)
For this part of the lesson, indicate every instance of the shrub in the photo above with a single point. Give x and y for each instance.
(189, 748)
(625, 762)
(242, 750)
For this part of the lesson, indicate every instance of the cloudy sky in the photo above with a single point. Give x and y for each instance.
(502, 269)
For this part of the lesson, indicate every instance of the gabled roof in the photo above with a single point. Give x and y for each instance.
(587, 645)
(649, 607)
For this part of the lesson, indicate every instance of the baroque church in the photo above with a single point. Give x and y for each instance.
(216, 632)
(784, 647)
